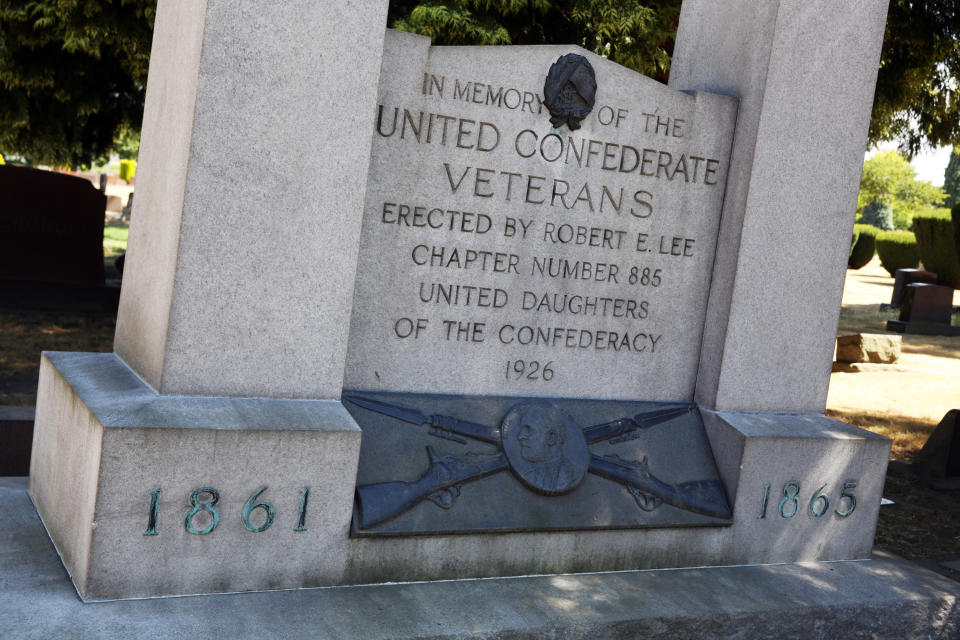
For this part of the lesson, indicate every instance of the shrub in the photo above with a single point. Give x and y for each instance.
(937, 245)
(853, 241)
(897, 250)
(955, 214)
(878, 214)
(127, 169)
(866, 245)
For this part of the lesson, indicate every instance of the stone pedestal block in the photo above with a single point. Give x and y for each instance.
(127, 481)
(147, 495)
(804, 487)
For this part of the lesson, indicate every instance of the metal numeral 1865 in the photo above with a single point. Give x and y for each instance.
(789, 504)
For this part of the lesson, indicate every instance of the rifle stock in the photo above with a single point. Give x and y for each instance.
(705, 497)
(382, 501)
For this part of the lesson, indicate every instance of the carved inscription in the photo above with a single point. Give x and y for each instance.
(489, 230)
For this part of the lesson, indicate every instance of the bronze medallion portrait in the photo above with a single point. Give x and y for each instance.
(570, 91)
(545, 448)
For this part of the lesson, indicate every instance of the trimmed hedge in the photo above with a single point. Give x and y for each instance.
(127, 169)
(937, 244)
(853, 241)
(898, 250)
(865, 247)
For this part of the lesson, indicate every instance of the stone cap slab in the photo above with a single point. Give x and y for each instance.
(799, 425)
(118, 397)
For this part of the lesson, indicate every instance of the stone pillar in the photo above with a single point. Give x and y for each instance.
(805, 72)
(256, 141)
(233, 320)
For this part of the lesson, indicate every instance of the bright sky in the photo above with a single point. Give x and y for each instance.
(929, 164)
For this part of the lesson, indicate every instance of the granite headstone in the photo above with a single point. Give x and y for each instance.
(51, 227)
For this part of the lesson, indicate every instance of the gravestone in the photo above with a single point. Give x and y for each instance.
(16, 434)
(546, 291)
(923, 302)
(925, 309)
(51, 227)
(909, 276)
(939, 460)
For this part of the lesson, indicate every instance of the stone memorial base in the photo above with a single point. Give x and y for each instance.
(150, 495)
(884, 597)
(147, 495)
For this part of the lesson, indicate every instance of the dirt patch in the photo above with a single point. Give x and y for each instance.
(24, 334)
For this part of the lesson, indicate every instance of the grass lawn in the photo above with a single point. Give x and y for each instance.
(114, 240)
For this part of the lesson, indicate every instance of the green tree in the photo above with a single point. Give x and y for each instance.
(72, 72)
(888, 179)
(638, 35)
(72, 75)
(917, 100)
(951, 179)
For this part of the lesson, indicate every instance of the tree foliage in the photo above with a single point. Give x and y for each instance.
(918, 101)
(890, 181)
(879, 215)
(72, 72)
(951, 179)
(638, 35)
(72, 75)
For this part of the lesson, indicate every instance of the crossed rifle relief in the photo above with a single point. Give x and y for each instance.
(544, 448)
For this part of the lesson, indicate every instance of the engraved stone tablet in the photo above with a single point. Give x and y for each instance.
(539, 223)
(503, 256)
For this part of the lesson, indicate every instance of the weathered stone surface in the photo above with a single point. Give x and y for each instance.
(605, 286)
(869, 347)
(883, 598)
(804, 72)
(104, 441)
(244, 318)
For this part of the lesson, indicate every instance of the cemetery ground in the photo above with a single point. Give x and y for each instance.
(903, 401)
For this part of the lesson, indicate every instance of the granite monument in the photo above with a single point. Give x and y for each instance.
(535, 325)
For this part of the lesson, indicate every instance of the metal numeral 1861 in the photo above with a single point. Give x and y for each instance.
(204, 500)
